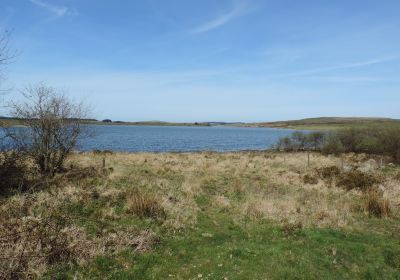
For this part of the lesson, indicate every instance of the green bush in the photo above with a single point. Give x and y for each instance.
(315, 140)
(350, 139)
(383, 141)
(389, 142)
(285, 144)
(332, 145)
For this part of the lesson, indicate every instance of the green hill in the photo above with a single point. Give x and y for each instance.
(324, 123)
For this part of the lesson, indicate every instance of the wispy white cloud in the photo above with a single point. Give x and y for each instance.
(239, 8)
(346, 66)
(58, 11)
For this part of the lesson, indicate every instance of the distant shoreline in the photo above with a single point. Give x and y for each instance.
(323, 123)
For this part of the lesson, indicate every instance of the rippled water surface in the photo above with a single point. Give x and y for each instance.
(180, 138)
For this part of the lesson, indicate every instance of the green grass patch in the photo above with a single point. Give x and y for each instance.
(219, 248)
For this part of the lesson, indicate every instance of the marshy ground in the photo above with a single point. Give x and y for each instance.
(242, 215)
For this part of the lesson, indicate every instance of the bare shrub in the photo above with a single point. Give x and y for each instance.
(53, 124)
(356, 179)
(145, 206)
(36, 236)
(290, 229)
(376, 205)
(14, 172)
(5, 53)
(30, 245)
(328, 172)
(310, 179)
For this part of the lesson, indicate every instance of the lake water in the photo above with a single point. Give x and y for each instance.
(180, 138)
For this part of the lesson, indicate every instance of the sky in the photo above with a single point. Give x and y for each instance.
(207, 60)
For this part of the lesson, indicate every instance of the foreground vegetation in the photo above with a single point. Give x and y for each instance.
(245, 215)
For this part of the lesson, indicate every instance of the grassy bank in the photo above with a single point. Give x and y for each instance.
(333, 123)
(246, 215)
(323, 123)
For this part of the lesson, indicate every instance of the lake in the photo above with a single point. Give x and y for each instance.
(180, 138)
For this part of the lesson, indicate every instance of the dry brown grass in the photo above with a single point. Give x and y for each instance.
(145, 205)
(270, 185)
(172, 188)
(310, 179)
(376, 205)
(29, 243)
(356, 179)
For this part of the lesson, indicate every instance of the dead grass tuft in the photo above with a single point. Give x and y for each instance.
(290, 229)
(145, 241)
(77, 173)
(122, 240)
(253, 210)
(376, 205)
(145, 205)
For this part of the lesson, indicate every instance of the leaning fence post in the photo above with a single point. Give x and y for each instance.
(104, 162)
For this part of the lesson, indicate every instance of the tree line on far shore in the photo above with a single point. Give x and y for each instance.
(374, 140)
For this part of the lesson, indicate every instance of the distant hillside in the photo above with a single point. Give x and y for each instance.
(323, 123)
(331, 123)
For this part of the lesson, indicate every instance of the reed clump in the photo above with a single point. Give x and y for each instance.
(145, 205)
(376, 205)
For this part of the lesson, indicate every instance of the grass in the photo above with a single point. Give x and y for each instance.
(333, 123)
(244, 215)
(221, 249)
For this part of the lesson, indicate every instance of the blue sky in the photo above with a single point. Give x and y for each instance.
(225, 60)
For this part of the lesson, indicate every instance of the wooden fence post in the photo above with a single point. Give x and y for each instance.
(104, 162)
(308, 158)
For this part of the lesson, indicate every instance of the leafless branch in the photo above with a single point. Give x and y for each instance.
(54, 124)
